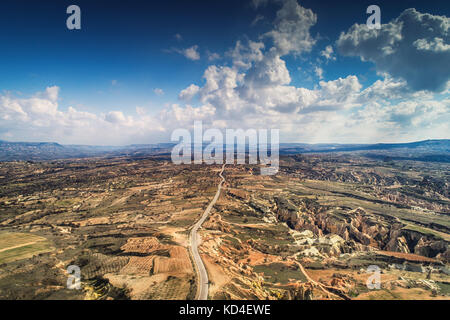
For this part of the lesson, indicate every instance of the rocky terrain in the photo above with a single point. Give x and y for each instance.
(309, 232)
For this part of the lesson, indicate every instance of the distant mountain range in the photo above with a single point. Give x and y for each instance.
(426, 145)
(36, 151)
(428, 150)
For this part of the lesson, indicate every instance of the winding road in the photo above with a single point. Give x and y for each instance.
(202, 275)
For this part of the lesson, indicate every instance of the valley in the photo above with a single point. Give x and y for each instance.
(309, 232)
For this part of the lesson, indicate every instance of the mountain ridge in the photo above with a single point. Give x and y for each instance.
(38, 151)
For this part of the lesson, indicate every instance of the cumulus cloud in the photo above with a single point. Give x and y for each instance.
(433, 45)
(220, 88)
(41, 107)
(243, 55)
(177, 115)
(38, 118)
(271, 70)
(319, 72)
(52, 93)
(413, 47)
(116, 117)
(261, 96)
(192, 53)
(254, 90)
(328, 53)
(188, 93)
(291, 28)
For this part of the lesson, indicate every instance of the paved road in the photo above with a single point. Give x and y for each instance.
(202, 275)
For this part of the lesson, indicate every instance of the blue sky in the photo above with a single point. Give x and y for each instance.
(130, 59)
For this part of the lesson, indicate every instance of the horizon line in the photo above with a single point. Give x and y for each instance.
(174, 143)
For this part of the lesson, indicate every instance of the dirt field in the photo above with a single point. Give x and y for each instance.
(17, 246)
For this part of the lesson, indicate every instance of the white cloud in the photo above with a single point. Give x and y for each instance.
(255, 91)
(271, 70)
(243, 55)
(11, 108)
(184, 116)
(328, 53)
(413, 47)
(319, 72)
(291, 28)
(188, 93)
(38, 118)
(192, 53)
(52, 93)
(141, 111)
(212, 56)
(116, 117)
(220, 88)
(433, 45)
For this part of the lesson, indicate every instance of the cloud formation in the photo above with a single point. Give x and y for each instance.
(291, 33)
(413, 47)
(253, 89)
(257, 92)
(328, 53)
(38, 118)
(192, 53)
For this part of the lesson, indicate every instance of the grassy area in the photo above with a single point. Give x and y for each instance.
(445, 287)
(427, 232)
(241, 219)
(234, 242)
(280, 273)
(17, 246)
(271, 235)
(8, 239)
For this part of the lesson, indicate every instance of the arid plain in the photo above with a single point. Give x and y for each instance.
(309, 232)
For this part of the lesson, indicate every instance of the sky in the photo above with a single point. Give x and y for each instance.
(138, 70)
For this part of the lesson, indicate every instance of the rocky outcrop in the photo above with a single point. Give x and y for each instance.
(215, 222)
(429, 248)
(299, 291)
(398, 244)
(356, 229)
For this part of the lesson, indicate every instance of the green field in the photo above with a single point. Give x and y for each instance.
(17, 246)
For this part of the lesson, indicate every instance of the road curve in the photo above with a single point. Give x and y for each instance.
(202, 275)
